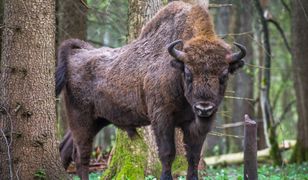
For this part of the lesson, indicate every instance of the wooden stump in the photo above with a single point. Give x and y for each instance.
(250, 149)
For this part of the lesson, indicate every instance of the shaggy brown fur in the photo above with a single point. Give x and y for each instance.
(141, 84)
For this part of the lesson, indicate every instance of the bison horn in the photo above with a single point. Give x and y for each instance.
(238, 55)
(179, 55)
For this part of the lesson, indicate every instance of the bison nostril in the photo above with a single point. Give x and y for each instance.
(204, 110)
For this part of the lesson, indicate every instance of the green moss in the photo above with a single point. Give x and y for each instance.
(40, 174)
(275, 153)
(129, 158)
(179, 166)
(156, 171)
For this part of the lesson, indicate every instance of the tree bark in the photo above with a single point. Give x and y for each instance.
(300, 70)
(140, 12)
(27, 97)
(1, 24)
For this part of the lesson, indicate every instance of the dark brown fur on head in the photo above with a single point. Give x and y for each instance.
(141, 84)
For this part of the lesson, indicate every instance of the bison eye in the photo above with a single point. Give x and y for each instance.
(224, 77)
(188, 75)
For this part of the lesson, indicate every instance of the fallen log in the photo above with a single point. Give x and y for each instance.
(238, 158)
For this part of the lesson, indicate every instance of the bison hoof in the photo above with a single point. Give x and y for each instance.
(166, 176)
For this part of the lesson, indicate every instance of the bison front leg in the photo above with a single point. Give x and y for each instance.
(193, 146)
(166, 149)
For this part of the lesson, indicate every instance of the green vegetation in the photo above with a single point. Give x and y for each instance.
(40, 174)
(265, 172)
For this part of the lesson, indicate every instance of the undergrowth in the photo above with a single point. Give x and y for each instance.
(265, 172)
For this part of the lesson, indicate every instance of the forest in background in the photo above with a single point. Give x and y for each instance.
(270, 88)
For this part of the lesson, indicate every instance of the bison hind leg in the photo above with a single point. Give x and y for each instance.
(67, 150)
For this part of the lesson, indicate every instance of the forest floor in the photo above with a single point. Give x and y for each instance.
(265, 172)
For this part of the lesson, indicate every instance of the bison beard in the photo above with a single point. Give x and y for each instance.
(173, 75)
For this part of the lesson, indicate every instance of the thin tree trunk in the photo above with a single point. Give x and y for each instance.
(265, 90)
(300, 69)
(262, 132)
(27, 92)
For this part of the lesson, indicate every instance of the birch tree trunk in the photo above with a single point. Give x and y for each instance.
(29, 148)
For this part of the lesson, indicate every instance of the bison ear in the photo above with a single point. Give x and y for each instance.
(177, 64)
(235, 66)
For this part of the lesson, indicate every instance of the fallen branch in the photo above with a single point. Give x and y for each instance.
(279, 28)
(238, 158)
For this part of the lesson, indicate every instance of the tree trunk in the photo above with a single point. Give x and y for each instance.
(27, 113)
(71, 23)
(265, 89)
(300, 66)
(243, 80)
(1, 23)
(140, 12)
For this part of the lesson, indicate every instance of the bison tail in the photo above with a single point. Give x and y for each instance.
(67, 150)
(64, 51)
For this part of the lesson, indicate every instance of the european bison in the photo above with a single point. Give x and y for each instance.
(174, 75)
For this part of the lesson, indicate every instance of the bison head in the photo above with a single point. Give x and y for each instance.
(205, 66)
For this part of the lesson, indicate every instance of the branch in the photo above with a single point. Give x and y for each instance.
(214, 133)
(8, 143)
(286, 6)
(8, 153)
(85, 4)
(219, 5)
(277, 96)
(281, 33)
(237, 158)
(285, 111)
